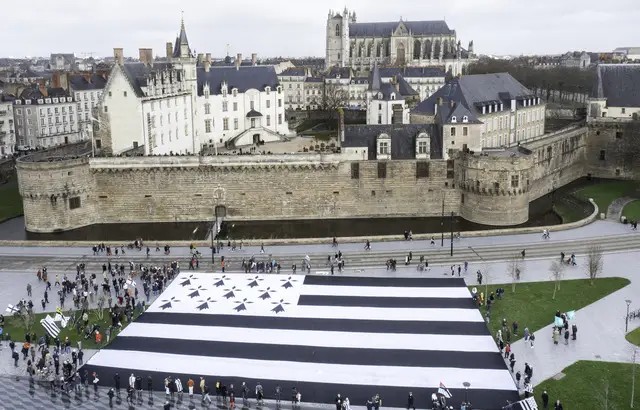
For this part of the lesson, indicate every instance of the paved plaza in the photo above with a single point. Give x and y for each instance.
(601, 324)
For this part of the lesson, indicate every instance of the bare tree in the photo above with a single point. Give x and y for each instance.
(335, 96)
(557, 273)
(594, 262)
(515, 268)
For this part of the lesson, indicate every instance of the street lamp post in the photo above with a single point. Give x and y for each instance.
(486, 281)
(626, 319)
(466, 396)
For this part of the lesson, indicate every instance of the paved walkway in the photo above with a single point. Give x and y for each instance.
(614, 211)
(600, 325)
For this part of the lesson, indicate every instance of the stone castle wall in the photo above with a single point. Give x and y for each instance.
(168, 189)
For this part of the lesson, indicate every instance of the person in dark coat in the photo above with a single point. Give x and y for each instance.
(566, 337)
(338, 402)
(411, 402)
(545, 400)
(116, 382)
(558, 406)
(574, 331)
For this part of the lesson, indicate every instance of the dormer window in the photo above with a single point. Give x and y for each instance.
(40, 101)
(393, 96)
(380, 96)
(279, 89)
(267, 90)
(234, 92)
(224, 92)
(454, 119)
(465, 119)
(383, 148)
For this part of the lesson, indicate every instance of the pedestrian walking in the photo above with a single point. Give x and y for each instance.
(29, 289)
(512, 361)
(566, 338)
(411, 402)
(518, 377)
(150, 385)
(555, 336)
(545, 400)
(574, 331)
(507, 350)
(190, 384)
(532, 337)
(95, 383)
(558, 406)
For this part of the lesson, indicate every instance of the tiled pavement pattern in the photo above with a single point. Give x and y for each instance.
(18, 393)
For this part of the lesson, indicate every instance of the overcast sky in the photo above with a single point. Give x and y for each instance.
(297, 27)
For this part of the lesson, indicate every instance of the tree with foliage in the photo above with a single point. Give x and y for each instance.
(594, 262)
(557, 273)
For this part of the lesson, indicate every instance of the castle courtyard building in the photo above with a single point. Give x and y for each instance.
(616, 94)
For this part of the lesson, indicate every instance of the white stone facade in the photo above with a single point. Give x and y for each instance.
(46, 122)
(7, 131)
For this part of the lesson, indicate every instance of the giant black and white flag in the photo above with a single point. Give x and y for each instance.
(357, 336)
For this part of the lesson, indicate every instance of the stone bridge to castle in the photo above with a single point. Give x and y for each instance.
(493, 189)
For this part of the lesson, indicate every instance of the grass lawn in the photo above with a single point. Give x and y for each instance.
(15, 328)
(10, 200)
(632, 211)
(585, 386)
(634, 337)
(531, 305)
(603, 194)
(567, 212)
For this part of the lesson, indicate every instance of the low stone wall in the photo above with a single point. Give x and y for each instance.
(351, 239)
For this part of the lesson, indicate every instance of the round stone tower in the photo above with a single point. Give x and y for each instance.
(495, 186)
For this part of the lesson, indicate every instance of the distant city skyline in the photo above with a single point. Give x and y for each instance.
(290, 28)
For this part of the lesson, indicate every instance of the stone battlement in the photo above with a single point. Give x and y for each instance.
(493, 188)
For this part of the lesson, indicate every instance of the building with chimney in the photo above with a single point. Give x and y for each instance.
(178, 105)
(396, 43)
(482, 111)
(616, 93)
(45, 117)
(86, 89)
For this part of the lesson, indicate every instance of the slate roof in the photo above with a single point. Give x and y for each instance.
(412, 72)
(78, 82)
(245, 78)
(313, 80)
(137, 73)
(474, 90)
(181, 39)
(253, 114)
(384, 29)
(403, 139)
(619, 84)
(294, 72)
(343, 72)
(33, 93)
(401, 88)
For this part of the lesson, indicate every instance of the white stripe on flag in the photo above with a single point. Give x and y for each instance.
(399, 292)
(50, 326)
(420, 342)
(340, 312)
(409, 377)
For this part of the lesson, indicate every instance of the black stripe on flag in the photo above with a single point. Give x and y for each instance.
(385, 302)
(319, 324)
(313, 354)
(392, 396)
(384, 282)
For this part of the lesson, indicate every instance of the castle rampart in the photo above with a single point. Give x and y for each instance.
(493, 189)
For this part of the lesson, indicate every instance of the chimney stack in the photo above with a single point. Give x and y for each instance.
(439, 100)
(452, 103)
(55, 79)
(207, 62)
(169, 50)
(208, 57)
(238, 61)
(146, 56)
(118, 55)
(254, 59)
(200, 58)
(43, 89)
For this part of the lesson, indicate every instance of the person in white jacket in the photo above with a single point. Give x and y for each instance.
(346, 404)
(132, 381)
(178, 387)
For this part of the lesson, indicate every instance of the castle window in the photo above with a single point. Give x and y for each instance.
(515, 181)
(602, 155)
(619, 134)
(466, 119)
(355, 170)
(125, 93)
(453, 131)
(207, 126)
(74, 202)
(624, 111)
(383, 148)
(207, 108)
(225, 106)
(422, 169)
(422, 147)
(465, 131)
(382, 170)
(454, 119)
(338, 31)
(496, 185)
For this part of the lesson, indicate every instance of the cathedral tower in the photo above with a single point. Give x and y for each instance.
(338, 39)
